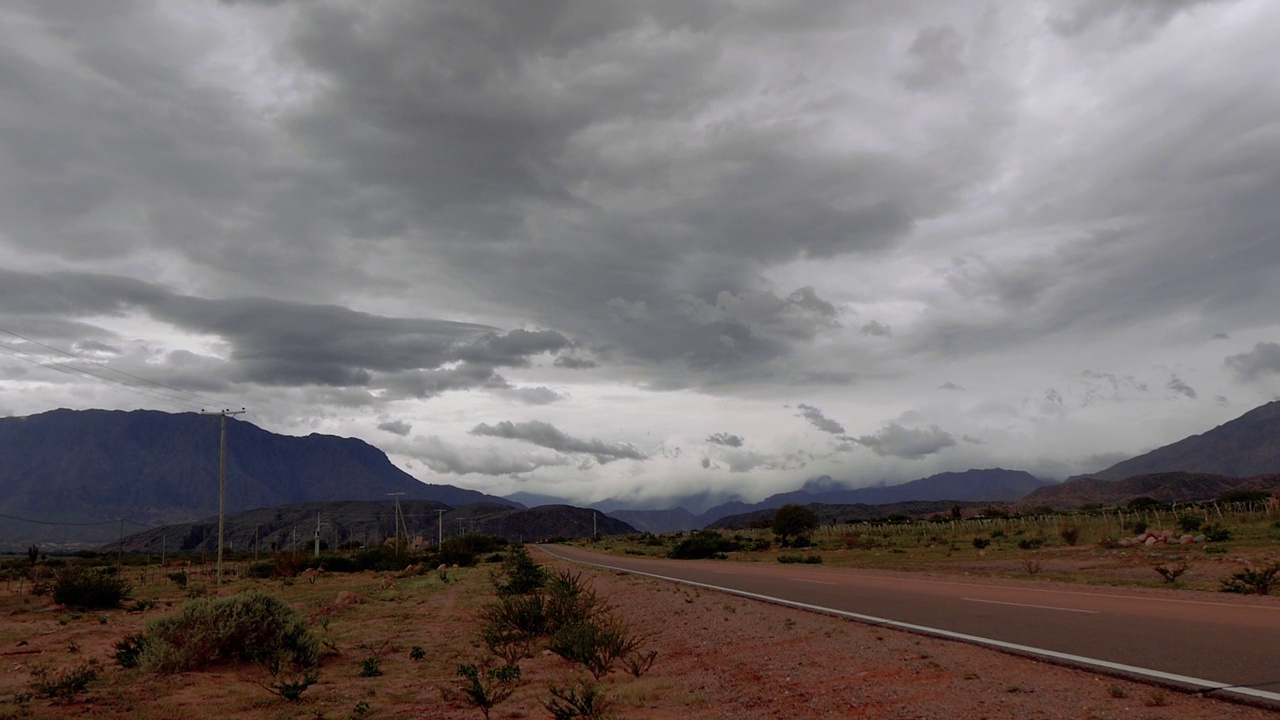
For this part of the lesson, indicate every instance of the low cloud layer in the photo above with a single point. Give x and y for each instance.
(907, 443)
(546, 435)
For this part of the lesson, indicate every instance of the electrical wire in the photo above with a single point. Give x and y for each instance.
(182, 397)
(88, 524)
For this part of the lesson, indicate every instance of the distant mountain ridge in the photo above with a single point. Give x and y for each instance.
(1246, 446)
(989, 485)
(1166, 487)
(294, 527)
(155, 467)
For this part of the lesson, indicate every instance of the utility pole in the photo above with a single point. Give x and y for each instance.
(222, 478)
(399, 520)
(317, 553)
(440, 536)
(594, 514)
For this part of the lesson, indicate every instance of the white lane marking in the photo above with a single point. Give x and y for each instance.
(815, 582)
(1028, 605)
(1204, 685)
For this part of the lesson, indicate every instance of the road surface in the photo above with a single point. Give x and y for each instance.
(1222, 644)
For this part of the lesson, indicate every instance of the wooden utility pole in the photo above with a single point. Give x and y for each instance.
(222, 478)
(399, 520)
(440, 531)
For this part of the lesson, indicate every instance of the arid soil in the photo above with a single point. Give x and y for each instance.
(719, 656)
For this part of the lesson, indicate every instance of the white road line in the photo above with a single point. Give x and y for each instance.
(1199, 683)
(1027, 605)
(815, 582)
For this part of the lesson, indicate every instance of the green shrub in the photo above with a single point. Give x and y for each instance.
(484, 686)
(260, 570)
(1139, 527)
(251, 626)
(370, 667)
(82, 587)
(595, 642)
(1070, 534)
(63, 687)
(1190, 523)
(462, 550)
(981, 543)
(1254, 581)
(702, 545)
(1030, 543)
(1214, 532)
(581, 700)
(521, 574)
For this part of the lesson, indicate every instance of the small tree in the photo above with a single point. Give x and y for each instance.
(793, 519)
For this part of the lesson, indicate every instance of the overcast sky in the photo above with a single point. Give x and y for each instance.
(636, 249)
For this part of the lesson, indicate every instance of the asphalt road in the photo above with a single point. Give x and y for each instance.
(1224, 644)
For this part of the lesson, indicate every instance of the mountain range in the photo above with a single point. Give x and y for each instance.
(369, 522)
(67, 468)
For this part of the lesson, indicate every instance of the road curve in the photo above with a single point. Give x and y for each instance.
(1227, 646)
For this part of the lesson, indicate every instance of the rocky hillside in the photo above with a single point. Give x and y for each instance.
(295, 526)
(1165, 487)
(839, 514)
(1244, 447)
(155, 467)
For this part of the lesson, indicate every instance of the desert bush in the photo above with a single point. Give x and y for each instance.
(595, 642)
(371, 667)
(260, 570)
(1032, 567)
(1190, 523)
(638, 663)
(128, 650)
(581, 700)
(703, 544)
(1138, 527)
(179, 579)
(484, 686)
(981, 543)
(63, 687)
(1030, 543)
(1253, 581)
(83, 587)
(520, 574)
(290, 686)
(1214, 532)
(1070, 534)
(251, 626)
(1173, 571)
(462, 550)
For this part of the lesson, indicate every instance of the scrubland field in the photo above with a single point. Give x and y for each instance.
(411, 641)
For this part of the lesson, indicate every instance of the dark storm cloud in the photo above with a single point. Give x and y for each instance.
(907, 443)
(1137, 18)
(1263, 359)
(444, 457)
(1177, 385)
(816, 418)
(725, 439)
(396, 427)
(548, 436)
(574, 362)
(276, 342)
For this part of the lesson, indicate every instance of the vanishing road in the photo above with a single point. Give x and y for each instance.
(1224, 644)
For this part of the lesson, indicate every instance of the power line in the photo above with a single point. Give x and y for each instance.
(114, 370)
(85, 374)
(87, 524)
(182, 398)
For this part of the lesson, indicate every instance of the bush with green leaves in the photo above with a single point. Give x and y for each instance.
(484, 686)
(583, 699)
(1190, 523)
(251, 626)
(1253, 581)
(792, 519)
(703, 545)
(981, 543)
(1214, 532)
(520, 574)
(63, 687)
(84, 587)
(595, 642)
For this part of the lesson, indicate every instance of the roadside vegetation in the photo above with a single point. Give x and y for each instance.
(1232, 544)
